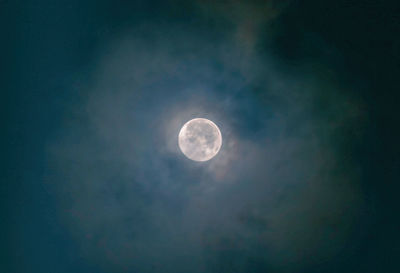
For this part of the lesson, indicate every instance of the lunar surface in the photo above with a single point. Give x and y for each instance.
(200, 139)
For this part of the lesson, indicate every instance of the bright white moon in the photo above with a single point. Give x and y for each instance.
(200, 139)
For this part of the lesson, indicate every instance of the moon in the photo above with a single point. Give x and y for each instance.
(200, 139)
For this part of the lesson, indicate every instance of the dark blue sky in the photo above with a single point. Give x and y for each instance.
(305, 94)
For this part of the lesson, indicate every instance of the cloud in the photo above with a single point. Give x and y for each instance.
(246, 17)
(281, 194)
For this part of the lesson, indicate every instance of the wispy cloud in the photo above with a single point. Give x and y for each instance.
(280, 195)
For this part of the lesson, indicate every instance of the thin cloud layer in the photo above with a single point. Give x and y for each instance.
(280, 195)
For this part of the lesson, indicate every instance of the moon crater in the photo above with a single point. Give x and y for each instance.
(200, 139)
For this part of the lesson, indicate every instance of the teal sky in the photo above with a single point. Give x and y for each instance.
(94, 94)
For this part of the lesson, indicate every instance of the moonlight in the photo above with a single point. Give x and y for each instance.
(200, 139)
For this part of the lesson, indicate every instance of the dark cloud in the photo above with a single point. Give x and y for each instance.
(287, 192)
(277, 196)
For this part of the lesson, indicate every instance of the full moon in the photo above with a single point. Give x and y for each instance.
(200, 139)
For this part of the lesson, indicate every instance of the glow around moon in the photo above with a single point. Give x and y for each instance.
(200, 139)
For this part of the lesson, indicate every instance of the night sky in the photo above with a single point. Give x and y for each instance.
(305, 94)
